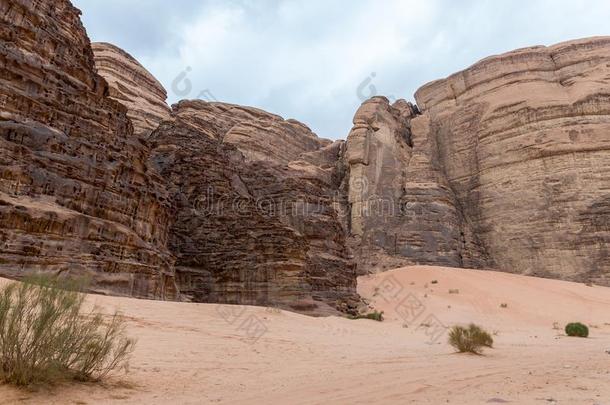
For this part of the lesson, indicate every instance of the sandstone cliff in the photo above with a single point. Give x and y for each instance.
(503, 165)
(249, 217)
(402, 209)
(259, 135)
(133, 86)
(507, 167)
(252, 231)
(523, 139)
(76, 192)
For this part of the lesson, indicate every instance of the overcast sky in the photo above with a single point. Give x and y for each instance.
(316, 60)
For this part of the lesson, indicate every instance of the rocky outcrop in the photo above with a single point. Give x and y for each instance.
(402, 210)
(251, 231)
(133, 86)
(259, 135)
(249, 217)
(523, 140)
(76, 193)
(503, 165)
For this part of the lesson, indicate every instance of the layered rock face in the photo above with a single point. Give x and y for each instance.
(133, 86)
(402, 210)
(250, 215)
(76, 193)
(524, 142)
(504, 165)
(259, 135)
(248, 230)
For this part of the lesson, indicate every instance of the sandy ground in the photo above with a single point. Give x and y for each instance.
(204, 353)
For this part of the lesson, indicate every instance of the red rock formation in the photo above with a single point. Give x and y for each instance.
(76, 192)
(507, 165)
(251, 231)
(133, 86)
(78, 195)
(259, 135)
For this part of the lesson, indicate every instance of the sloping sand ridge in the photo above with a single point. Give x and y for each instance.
(205, 353)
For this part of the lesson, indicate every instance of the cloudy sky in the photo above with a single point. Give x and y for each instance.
(316, 60)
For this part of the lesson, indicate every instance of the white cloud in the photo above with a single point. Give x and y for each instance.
(306, 59)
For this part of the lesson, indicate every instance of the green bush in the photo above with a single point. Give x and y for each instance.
(376, 316)
(471, 339)
(46, 336)
(577, 329)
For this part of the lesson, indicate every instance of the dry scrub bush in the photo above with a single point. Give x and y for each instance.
(469, 340)
(46, 336)
(375, 316)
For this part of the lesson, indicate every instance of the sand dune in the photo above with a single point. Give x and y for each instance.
(204, 353)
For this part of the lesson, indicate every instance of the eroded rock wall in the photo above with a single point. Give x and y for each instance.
(133, 86)
(252, 231)
(402, 209)
(76, 192)
(503, 165)
(259, 135)
(524, 141)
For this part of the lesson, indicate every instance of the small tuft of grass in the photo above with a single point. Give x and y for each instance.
(375, 316)
(577, 329)
(469, 340)
(273, 310)
(454, 291)
(47, 337)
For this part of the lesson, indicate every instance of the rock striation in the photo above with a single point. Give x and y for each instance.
(504, 165)
(76, 192)
(133, 86)
(247, 230)
(259, 135)
(523, 140)
(234, 203)
(402, 209)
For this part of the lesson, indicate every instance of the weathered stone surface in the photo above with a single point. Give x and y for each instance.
(251, 231)
(259, 135)
(507, 165)
(76, 193)
(523, 139)
(133, 86)
(402, 211)
(435, 229)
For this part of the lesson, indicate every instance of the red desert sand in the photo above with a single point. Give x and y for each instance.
(206, 353)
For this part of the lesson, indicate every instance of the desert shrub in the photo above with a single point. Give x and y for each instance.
(376, 316)
(46, 336)
(504, 305)
(577, 329)
(454, 291)
(471, 339)
(434, 281)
